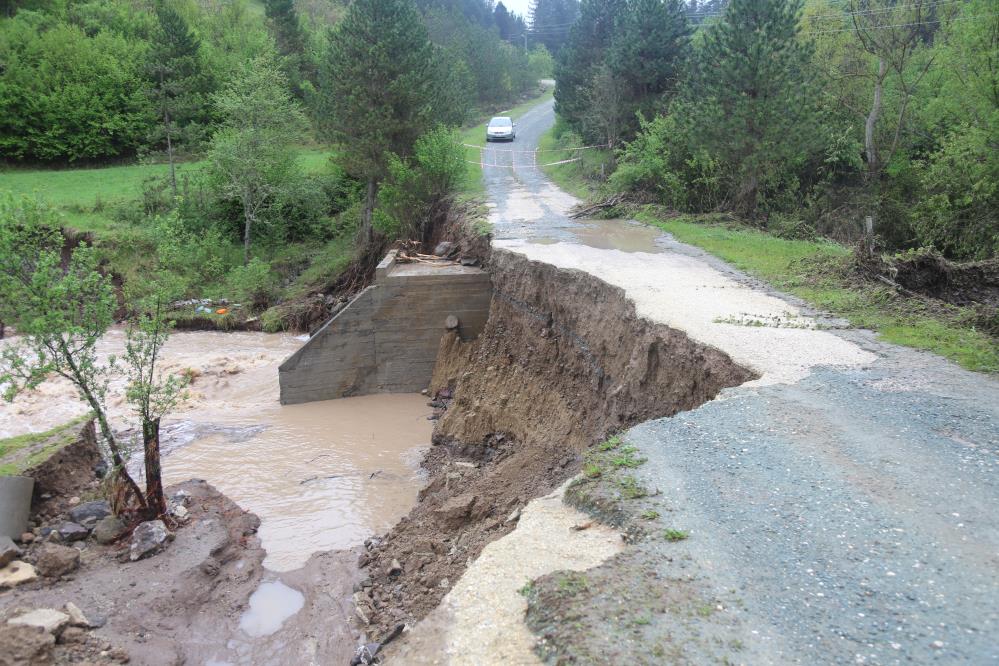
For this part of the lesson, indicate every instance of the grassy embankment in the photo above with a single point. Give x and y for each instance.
(23, 452)
(818, 272)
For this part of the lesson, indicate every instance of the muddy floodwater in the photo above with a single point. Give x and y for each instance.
(320, 476)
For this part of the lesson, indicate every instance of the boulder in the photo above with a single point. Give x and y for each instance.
(54, 560)
(109, 528)
(443, 248)
(73, 532)
(148, 539)
(48, 619)
(15, 573)
(456, 510)
(88, 513)
(8, 551)
(20, 644)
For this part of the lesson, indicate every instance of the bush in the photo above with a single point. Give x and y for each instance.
(659, 165)
(67, 96)
(960, 213)
(417, 191)
(195, 258)
(254, 284)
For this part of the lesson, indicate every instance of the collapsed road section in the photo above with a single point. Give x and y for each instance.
(563, 360)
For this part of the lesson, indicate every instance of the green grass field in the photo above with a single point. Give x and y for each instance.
(86, 196)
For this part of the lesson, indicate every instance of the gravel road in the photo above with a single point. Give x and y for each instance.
(845, 511)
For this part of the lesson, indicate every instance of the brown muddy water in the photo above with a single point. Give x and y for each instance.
(320, 476)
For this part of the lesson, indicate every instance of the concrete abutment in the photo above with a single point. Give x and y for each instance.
(386, 340)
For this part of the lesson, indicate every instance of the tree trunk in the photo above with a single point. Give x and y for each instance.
(870, 148)
(367, 233)
(155, 502)
(173, 171)
(248, 223)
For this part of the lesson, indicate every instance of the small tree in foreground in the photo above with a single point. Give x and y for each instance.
(61, 311)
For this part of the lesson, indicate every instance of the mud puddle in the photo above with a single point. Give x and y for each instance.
(623, 235)
(320, 476)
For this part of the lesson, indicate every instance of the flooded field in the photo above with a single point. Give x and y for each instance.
(320, 476)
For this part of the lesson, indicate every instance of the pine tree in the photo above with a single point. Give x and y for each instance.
(577, 64)
(379, 85)
(291, 42)
(647, 55)
(179, 82)
(504, 21)
(754, 104)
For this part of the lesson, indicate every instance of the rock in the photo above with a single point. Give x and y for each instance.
(451, 322)
(73, 636)
(48, 619)
(89, 513)
(148, 539)
(514, 516)
(73, 532)
(27, 537)
(469, 261)
(456, 510)
(73, 501)
(366, 654)
(109, 529)
(394, 568)
(76, 616)
(53, 560)
(443, 248)
(25, 645)
(15, 573)
(8, 551)
(180, 512)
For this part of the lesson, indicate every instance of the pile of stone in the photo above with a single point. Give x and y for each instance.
(33, 636)
(54, 551)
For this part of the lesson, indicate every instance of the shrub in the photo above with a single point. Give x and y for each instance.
(417, 191)
(254, 284)
(960, 214)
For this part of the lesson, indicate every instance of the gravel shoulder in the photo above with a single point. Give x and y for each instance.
(835, 510)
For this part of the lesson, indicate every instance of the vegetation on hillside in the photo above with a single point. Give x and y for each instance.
(204, 130)
(807, 115)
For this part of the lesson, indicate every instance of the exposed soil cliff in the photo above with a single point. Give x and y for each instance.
(563, 362)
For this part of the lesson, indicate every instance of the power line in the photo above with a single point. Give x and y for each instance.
(901, 25)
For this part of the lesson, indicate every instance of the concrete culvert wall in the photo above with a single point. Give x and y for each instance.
(386, 339)
(563, 361)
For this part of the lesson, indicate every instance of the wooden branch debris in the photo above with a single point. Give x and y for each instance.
(585, 210)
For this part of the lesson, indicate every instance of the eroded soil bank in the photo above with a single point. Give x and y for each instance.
(563, 362)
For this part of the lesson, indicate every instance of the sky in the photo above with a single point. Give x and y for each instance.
(518, 6)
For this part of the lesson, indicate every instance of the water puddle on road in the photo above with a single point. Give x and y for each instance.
(320, 476)
(620, 235)
(270, 605)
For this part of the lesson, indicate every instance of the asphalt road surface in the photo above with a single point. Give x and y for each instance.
(845, 514)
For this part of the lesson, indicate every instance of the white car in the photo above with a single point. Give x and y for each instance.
(501, 128)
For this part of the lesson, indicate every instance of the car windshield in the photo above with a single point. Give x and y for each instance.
(500, 122)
